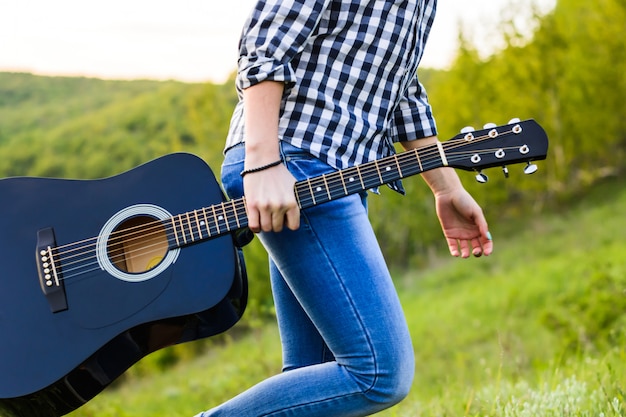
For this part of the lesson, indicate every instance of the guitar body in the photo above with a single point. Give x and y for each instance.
(59, 350)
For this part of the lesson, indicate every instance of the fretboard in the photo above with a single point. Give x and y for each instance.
(209, 222)
(366, 176)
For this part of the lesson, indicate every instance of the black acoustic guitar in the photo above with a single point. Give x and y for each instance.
(99, 273)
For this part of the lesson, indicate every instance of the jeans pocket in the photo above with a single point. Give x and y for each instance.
(302, 164)
(231, 171)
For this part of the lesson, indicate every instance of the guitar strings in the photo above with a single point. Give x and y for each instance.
(140, 234)
(124, 234)
(144, 238)
(372, 178)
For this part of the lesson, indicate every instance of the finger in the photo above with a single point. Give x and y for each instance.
(266, 219)
(453, 247)
(292, 218)
(477, 249)
(253, 220)
(465, 248)
(278, 219)
(487, 243)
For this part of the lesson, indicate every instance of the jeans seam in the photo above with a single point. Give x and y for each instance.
(354, 309)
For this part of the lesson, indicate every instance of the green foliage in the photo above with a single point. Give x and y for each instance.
(571, 80)
(591, 317)
(568, 74)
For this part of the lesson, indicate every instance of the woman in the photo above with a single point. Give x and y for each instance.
(325, 85)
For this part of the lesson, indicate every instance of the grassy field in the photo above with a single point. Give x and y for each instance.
(537, 329)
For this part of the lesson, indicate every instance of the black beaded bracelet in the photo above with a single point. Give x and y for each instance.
(261, 168)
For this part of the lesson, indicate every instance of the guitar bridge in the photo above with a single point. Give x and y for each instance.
(50, 277)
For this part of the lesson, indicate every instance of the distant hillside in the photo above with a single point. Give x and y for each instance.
(86, 128)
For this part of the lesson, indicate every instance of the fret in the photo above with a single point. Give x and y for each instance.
(196, 223)
(336, 185)
(190, 227)
(235, 213)
(419, 161)
(343, 182)
(400, 175)
(211, 224)
(358, 170)
(240, 213)
(311, 192)
(389, 170)
(229, 223)
(175, 232)
(352, 184)
(380, 177)
(182, 228)
(321, 193)
(369, 175)
(222, 218)
(326, 186)
(216, 219)
(298, 194)
(206, 223)
(195, 215)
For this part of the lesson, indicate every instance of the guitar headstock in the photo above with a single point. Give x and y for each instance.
(497, 146)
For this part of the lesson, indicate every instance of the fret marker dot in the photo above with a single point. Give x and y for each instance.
(351, 179)
(220, 217)
(318, 189)
(202, 223)
(388, 169)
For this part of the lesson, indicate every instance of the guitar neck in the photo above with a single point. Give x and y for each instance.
(322, 189)
(229, 216)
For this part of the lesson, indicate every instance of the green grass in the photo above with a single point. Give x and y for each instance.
(536, 329)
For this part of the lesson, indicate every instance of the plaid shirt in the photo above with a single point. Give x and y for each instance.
(350, 74)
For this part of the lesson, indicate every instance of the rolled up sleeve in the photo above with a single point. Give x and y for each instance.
(413, 118)
(273, 35)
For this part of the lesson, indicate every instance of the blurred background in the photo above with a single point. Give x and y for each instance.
(89, 90)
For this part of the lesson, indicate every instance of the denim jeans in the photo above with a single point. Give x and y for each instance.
(346, 347)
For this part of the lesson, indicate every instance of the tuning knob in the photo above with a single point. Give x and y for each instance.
(481, 178)
(514, 120)
(530, 168)
(505, 171)
(467, 129)
(489, 125)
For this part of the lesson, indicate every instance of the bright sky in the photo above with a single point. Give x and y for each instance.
(189, 40)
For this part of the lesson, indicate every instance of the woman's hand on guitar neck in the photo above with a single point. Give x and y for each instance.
(270, 200)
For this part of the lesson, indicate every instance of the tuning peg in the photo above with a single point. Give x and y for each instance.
(481, 178)
(489, 125)
(530, 168)
(467, 129)
(505, 171)
(514, 120)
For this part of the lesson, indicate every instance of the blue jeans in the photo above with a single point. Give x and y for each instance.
(346, 347)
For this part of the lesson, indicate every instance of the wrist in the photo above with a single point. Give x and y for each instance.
(261, 167)
(442, 180)
(260, 152)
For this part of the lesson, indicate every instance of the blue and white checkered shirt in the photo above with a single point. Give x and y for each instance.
(350, 74)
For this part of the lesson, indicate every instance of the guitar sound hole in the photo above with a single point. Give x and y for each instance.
(138, 244)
